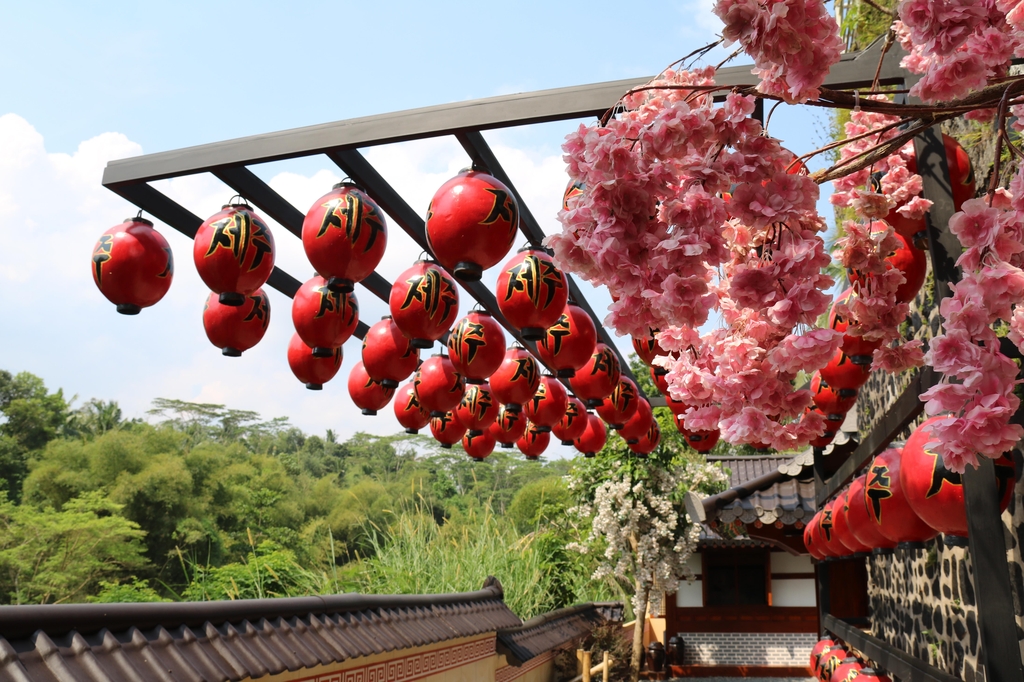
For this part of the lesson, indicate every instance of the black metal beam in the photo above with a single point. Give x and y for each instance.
(902, 665)
(481, 153)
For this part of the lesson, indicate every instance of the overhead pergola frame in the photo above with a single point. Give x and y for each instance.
(342, 141)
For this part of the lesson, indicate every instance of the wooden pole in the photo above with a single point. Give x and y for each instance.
(586, 666)
(607, 664)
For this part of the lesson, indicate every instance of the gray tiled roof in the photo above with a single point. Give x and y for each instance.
(235, 640)
(787, 501)
(551, 630)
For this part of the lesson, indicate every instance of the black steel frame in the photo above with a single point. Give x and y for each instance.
(341, 141)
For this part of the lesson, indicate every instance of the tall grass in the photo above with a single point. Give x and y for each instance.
(416, 556)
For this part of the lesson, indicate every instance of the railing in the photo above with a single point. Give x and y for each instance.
(586, 671)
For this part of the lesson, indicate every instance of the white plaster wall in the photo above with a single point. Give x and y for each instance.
(691, 593)
(784, 562)
(791, 592)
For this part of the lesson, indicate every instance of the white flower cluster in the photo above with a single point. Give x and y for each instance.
(647, 537)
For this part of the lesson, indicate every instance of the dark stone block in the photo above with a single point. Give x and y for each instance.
(972, 628)
(946, 592)
(966, 585)
(959, 630)
(926, 618)
(938, 621)
(1017, 585)
(917, 608)
(945, 567)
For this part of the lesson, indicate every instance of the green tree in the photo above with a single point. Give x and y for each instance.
(32, 417)
(539, 503)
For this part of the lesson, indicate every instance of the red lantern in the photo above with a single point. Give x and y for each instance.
(573, 423)
(594, 437)
(830, 661)
(408, 411)
(596, 380)
(548, 404)
(439, 387)
(818, 650)
(344, 235)
(935, 493)
(572, 190)
(841, 524)
(478, 444)
(841, 372)
(532, 292)
(424, 303)
(516, 379)
(387, 354)
(132, 265)
(847, 671)
(234, 253)
(887, 503)
(638, 424)
(872, 675)
(368, 394)
(310, 369)
(471, 223)
(861, 522)
(829, 400)
(647, 348)
(817, 542)
(908, 259)
(811, 544)
(832, 546)
(617, 408)
(508, 427)
(533, 443)
(324, 319)
(446, 429)
(236, 329)
(823, 441)
(568, 344)
(476, 346)
(856, 348)
(478, 409)
(659, 376)
(701, 441)
(961, 174)
(646, 444)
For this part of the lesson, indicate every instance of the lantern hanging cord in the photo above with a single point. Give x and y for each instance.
(138, 215)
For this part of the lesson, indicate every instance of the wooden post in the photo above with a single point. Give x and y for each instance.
(586, 666)
(607, 664)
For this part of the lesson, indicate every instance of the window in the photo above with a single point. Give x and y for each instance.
(735, 577)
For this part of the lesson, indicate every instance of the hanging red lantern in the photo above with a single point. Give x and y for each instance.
(132, 265)
(424, 303)
(234, 253)
(833, 421)
(596, 380)
(408, 411)
(344, 235)
(572, 191)
(532, 292)
(816, 539)
(962, 179)
(811, 544)
(324, 319)
(478, 444)
(861, 522)
(439, 388)
(548, 404)
(659, 376)
(826, 528)
(935, 493)
(508, 427)
(573, 423)
(368, 394)
(516, 380)
(872, 675)
(594, 437)
(823, 441)
(533, 443)
(568, 344)
(478, 408)
(471, 223)
(647, 348)
(701, 441)
(829, 400)
(848, 670)
(841, 372)
(819, 649)
(856, 348)
(829, 661)
(308, 368)
(387, 354)
(887, 502)
(841, 524)
(236, 329)
(446, 429)
(617, 408)
(908, 259)
(646, 444)
(638, 424)
(476, 346)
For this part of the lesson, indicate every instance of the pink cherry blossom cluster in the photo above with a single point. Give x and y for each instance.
(978, 387)
(685, 208)
(794, 43)
(959, 46)
(888, 190)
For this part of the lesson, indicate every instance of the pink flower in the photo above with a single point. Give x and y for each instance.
(955, 77)
(940, 26)
(976, 224)
(898, 358)
(808, 352)
(954, 353)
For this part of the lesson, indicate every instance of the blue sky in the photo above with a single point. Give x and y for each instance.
(85, 84)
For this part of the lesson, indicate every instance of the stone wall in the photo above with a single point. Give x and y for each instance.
(747, 648)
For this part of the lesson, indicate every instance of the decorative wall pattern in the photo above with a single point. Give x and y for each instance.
(414, 666)
(747, 648)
